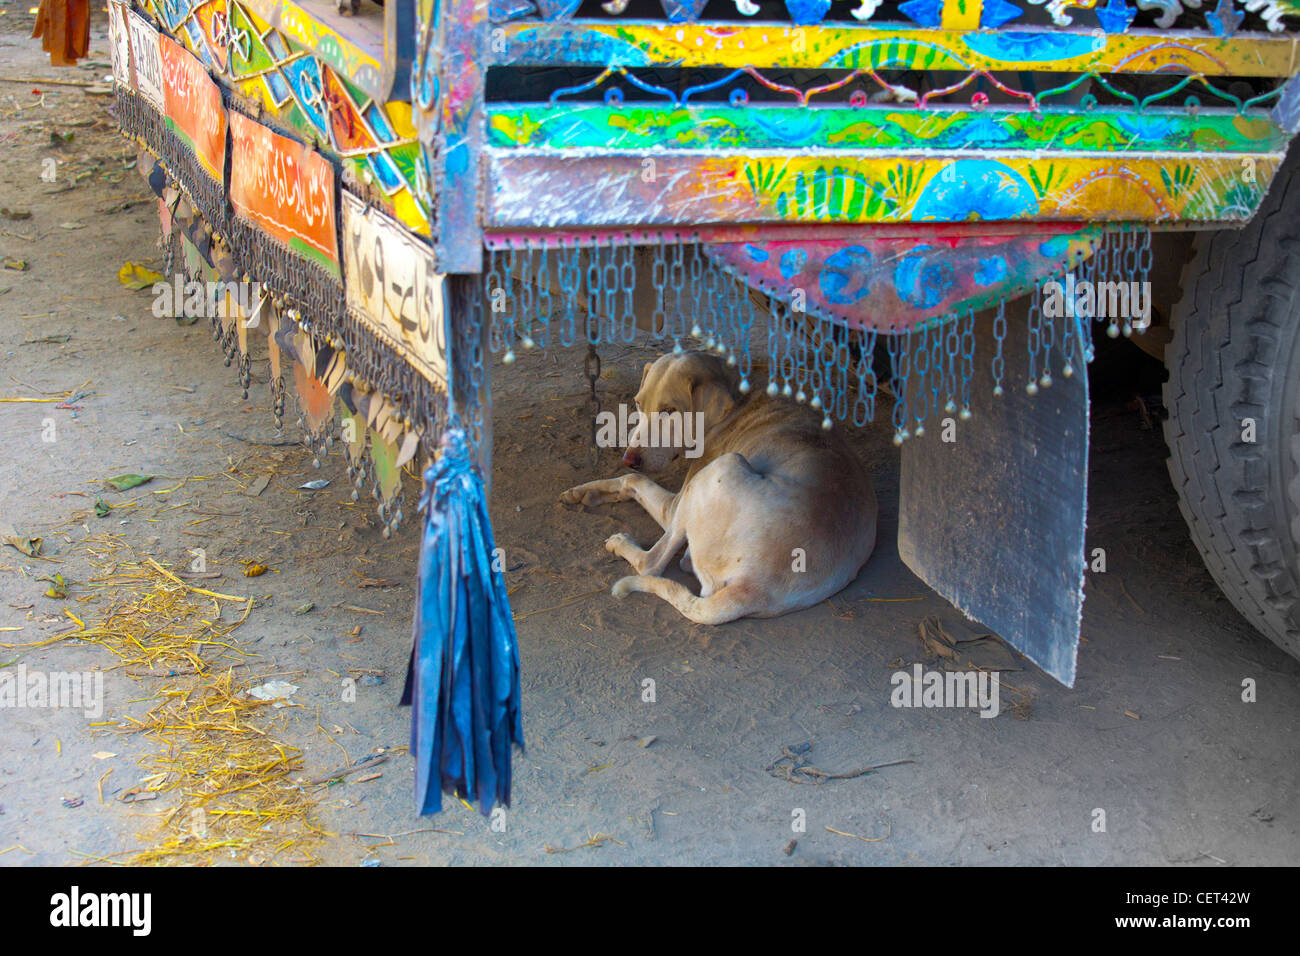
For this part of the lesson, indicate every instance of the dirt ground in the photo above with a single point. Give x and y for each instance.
(1155, 732)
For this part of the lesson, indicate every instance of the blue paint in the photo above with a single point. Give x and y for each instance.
(278, 88)
(808, 12)
(793, 262)
(843, 268)
(928, 13)
(386, 172)
(973, 190)
(304, 76)
(1225, 19)
(1116, 16)
(1055, 248)
(197, 43)
(924, 282)
(1033, 47)
(997, 12)
(990, 271)
(756, 253)
(379, 123)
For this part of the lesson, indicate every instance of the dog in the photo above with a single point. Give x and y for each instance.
(776, 513)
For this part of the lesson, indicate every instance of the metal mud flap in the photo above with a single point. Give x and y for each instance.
(992, 510)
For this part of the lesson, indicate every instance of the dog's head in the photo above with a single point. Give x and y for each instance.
(681, 398)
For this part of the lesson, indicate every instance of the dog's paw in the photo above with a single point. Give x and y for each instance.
(618, 543)
(623, 587)
(591, 493)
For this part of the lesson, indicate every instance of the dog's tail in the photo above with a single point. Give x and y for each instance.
(727, 604)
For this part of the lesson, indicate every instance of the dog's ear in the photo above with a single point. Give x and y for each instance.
(644, 372)
(711, 396)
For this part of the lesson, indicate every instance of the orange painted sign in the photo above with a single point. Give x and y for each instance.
(286, 189)
(194, 108)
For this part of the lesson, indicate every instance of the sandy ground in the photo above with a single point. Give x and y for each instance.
(1155, 732)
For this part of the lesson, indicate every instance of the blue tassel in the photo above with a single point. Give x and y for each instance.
(464, 673)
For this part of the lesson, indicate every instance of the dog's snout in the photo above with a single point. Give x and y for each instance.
(632, 458)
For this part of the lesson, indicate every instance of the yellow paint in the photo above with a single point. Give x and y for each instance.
(961, 14)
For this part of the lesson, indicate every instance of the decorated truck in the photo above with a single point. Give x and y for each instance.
(922, 210)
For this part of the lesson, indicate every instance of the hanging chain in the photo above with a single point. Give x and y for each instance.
(591, 369)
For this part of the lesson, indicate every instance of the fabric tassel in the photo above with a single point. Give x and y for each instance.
(464, 671)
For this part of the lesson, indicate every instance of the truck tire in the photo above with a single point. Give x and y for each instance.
(1235, 358)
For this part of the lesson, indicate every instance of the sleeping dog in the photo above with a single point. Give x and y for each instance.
(776, 513)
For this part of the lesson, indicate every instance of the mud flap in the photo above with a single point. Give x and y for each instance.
(994, 519)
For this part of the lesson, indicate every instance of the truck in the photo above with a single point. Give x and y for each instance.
(922, 209)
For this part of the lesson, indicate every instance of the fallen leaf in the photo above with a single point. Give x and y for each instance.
(28, 546)
(135, 276)
(258, 486)
(102, 507)
(316, 485)
(103, 754)
(16, 265)
(253, 570)
(16, 214)
(126, 482)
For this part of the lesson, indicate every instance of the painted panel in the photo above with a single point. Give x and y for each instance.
(286, 189)
(194, 107)
(575, 126)
(547, 190)
(600, 43)
(391, 283)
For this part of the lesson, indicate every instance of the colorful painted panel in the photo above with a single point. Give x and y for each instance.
(870, 47)
(193, 106)
(286, 189)
(549, 190)
(308, 89)
(573, 126)
(897, 284)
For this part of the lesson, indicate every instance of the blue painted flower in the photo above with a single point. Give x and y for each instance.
(990, 271)
(923, 282)
(974, 189)
(793, 262)
(845, 268)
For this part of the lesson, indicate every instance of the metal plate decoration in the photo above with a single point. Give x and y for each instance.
(897, 284)
(286, 189)
(194, 109)
(119, 43)
(391, 284)
(146, 62)
(996, 526)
